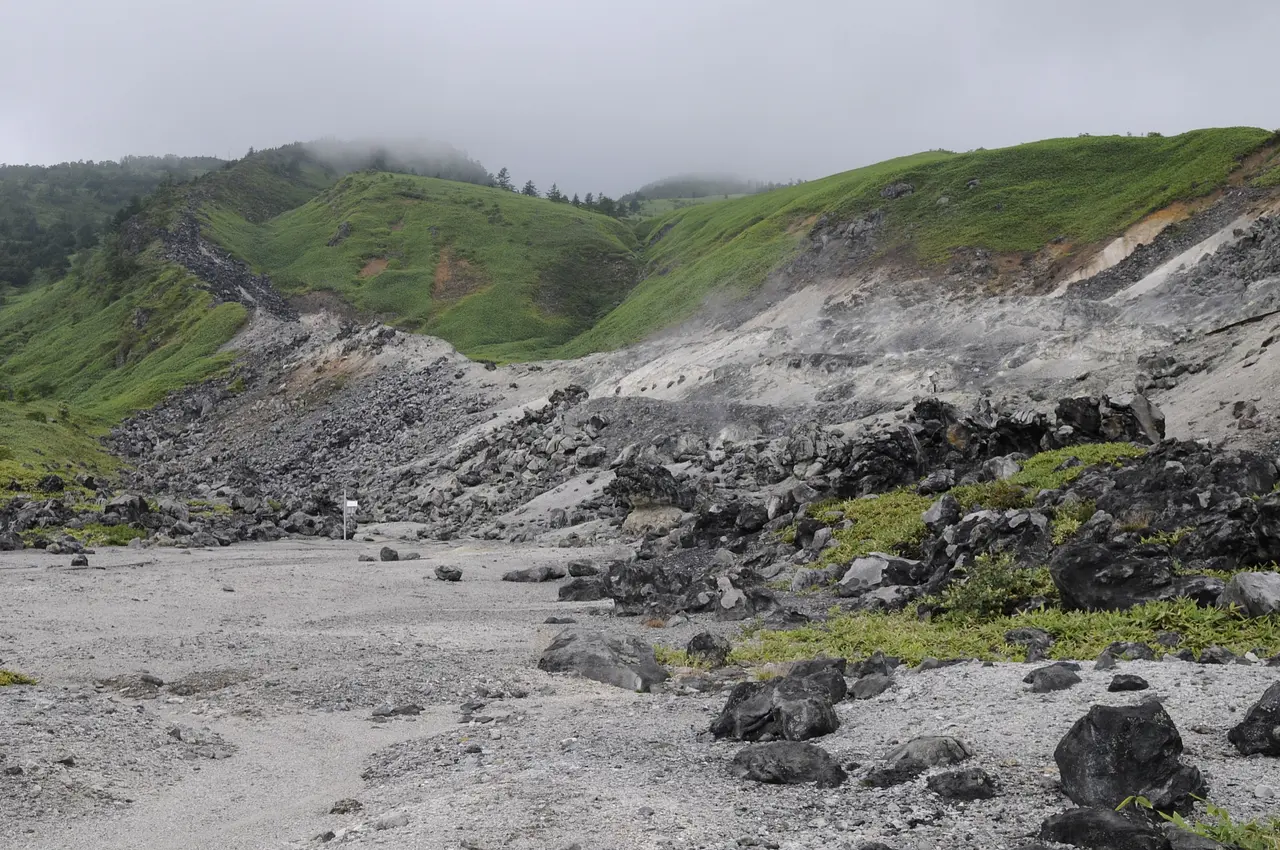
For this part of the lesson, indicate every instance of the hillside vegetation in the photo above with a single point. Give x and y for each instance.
(495, 273)
(1081, 190)
(82, 353)
(512, 277)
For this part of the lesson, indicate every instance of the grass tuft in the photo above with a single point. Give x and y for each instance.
(994, 586)
(8, 677)
(1079, 634)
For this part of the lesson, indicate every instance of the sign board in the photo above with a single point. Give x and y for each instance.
(352, 504)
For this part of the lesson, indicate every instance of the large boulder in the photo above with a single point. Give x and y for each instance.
(1112, 577)
(1115, 752)
(794, 708)
(1259, 732)
(788, 763)
(1255, 594)
(129, 506)
(1102, 829)
(625, 662)
(907, 761)
(10, 542)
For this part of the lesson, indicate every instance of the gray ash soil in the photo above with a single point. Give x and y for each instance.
(284, 673)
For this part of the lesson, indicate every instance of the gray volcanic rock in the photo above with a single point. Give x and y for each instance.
(1255, 594)
(788, 763)
(1108, 577)
(907, 761)
(792, 708)
(1102, 829)
(1115, 752)
(1259, 732)
(623, 662)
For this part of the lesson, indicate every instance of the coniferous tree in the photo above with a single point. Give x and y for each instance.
(503, 180)
(530, 190)
(553, 194)
(576, 202)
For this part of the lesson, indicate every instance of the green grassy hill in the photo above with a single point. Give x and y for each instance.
(509, 277)
(82, 353)
(1083, 190)
(495, 273)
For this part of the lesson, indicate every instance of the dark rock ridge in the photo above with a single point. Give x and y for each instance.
(227, 278)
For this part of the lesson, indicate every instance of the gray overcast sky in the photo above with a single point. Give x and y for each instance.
(603, 95)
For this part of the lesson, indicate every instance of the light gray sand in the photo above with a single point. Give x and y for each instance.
(312, 642)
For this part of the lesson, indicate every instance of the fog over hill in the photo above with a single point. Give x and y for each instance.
(604, 98)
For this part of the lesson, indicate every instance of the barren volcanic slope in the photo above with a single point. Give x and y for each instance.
(888, 510)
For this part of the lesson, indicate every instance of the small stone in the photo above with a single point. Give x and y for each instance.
(392, 821)
(1266, 792)
(1055, 677)
(972, 783)
(871, 686)
(1127, 682)
(79, 561)
(1217, 655)
(708, 649)
(346, 806)
(389, 554)
(444, 573)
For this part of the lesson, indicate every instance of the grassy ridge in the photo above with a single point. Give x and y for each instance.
(82, 353)
(497, 274)
(1082, 190)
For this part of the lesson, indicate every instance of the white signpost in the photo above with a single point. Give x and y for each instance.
(348, 508)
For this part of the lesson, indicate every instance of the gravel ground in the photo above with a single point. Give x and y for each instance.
(275, 657)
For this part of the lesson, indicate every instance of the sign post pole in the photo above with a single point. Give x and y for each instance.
(344, 514)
